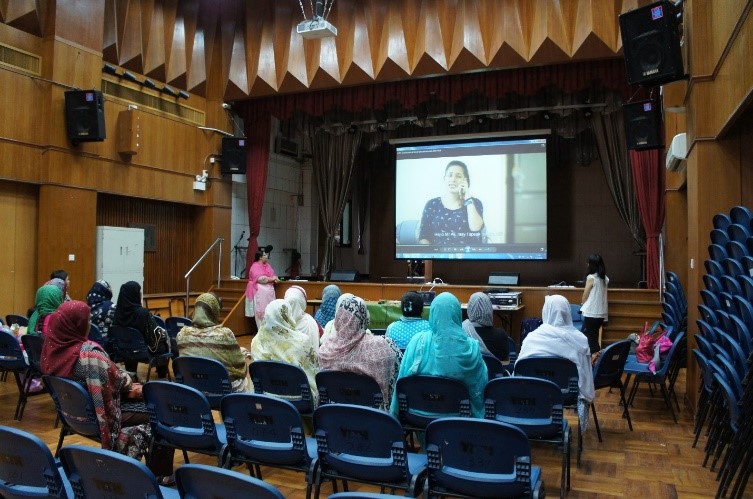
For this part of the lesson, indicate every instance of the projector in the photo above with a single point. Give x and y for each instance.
(316, 28)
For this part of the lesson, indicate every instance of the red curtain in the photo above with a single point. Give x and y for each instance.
(256, 179)
(648, 177)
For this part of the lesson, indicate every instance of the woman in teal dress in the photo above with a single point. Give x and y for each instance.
(446, 350)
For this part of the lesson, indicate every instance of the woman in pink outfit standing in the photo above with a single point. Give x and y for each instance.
(261, 286)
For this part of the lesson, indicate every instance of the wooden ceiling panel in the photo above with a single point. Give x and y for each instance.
(154, 45)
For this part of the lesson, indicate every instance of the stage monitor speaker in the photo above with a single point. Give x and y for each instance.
(504, 279)
(85, 116)
(344, 275)
(234, 155)
(651, 44)
(642, 125)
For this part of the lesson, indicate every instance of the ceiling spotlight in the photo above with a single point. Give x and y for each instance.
(110, 69)
(150, 83)
(546, 115)
(183, 94)
(169, 91)
(130, 76)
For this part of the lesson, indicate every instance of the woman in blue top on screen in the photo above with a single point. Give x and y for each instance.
(412, 321)
(446, 350)
(456, 217)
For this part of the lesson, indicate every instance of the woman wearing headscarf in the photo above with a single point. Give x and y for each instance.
(260, 289)
(354, 349)
(207, 338)
(279, 340)
(412, 321)
(326, 311)
(99, 299)
(446, 350)
(295, 296)
(48, 298)
(129, 312)
(330, 328)
(557, 337)
(479, 325)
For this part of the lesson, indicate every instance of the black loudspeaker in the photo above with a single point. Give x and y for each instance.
(234, 155)
(85, 115)
(651, 44)
(642, 125)
(344, 275)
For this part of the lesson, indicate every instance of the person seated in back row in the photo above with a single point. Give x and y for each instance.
(412, 321)
(479, 325)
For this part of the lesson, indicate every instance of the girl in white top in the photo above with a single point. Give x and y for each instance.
(594, 304)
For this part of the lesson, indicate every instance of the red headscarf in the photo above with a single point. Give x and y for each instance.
(68, 330)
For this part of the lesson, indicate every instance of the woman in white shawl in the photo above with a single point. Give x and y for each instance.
(295, 297)
(557, 337)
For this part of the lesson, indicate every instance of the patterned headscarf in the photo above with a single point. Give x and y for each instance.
(99, 299)
(480, 311)
(206, 316)
(326, 311)
(69, 327)
(352, 348)
(49, 297)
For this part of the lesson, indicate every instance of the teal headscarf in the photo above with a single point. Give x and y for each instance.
(49, 298)
(447, 351)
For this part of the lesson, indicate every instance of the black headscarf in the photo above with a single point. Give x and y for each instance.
(128, 311)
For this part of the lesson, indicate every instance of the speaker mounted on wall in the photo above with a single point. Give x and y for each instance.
(234, 155)
(651, 44)
(642, 125)
(85, 116)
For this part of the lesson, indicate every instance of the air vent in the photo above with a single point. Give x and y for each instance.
(156, 102)
(286, 147)
(21, 60)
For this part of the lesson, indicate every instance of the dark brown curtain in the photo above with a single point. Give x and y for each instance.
(333, 159)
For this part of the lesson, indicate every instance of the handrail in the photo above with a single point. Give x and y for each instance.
(201, 259)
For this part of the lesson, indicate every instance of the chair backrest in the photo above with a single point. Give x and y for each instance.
(282, 379)
(532, 404)
(513, 349)
(527, 325)
(480, 458)
(11, 355)
(129, 344)
(494, 366)
(196, 481)
(95, 334)
(27, 468)
(33, 346)
(678, 344)
(104, 473)
(721, 221)
(343, 387)
(209, 376)
(21, 320)
(175, 323)
(361, 442)
(609, 367)
(717, 252)
(181, 417)
(265, 430)
(74, 406)
(562, 371)
(422, 399)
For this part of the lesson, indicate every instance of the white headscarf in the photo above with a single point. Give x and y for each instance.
(295, 297)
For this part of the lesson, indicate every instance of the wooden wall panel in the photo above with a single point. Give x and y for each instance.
(18, 219)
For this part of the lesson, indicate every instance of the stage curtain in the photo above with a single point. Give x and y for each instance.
(257, 162)
(333, 160)
(648, 175)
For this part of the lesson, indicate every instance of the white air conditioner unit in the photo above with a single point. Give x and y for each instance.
(677, 152)
(286, 146)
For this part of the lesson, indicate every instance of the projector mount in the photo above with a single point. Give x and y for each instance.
(317, 26)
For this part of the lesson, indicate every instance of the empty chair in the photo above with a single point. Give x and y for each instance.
(717, 252)
(719, 236)
(535, 406)
(710, 299)
(196, 481)
(714, 268)
(608, 374)
(95, 335)
(740, 215)
(75, 409)
(738, 232)
(209, 376)
(175, 323)
(422, 399)
(344, 387)
(27, 468)
(99, 473)
(746, 281)
(362, 444)
(285, 380)
(513, 349)
(737, 250)
(21, 320)
(576, 316)
(264, 430)
(180, 417)
(707, 314)
(494, 367)
(12, 361)
(721, 221)
(732, 267)
(129, 346)
(479, 458)
(712, 283)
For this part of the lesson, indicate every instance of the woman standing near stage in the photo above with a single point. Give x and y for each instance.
(260, 290)
(594, 303)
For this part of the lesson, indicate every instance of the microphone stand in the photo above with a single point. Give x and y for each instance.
(237, 250)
